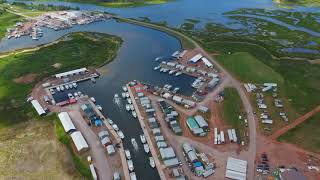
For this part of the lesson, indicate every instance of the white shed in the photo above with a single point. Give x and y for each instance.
(38, 107)
(79, 141)
(66, 122)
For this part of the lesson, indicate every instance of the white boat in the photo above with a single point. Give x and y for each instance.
(134, 114)
(172, 71)
(134, 143)
(130, 165)
(128, 107)
(93, 80)
(66, 86)
(123, 95)
(158, 58)
(115, 127)
(128, 154)
(58, 88)
(124, 88)
(175, 90)
(127, 95)
(76, 94)
(110, 121)
(151, 162)
(178, 73)
(165, 70)
(146, 148)
(133, 176)
(70, 96)
(143, 138)
(70, 86)
(52, 91)
(161, 69)
(131, 107)
(93, 99)
(116, 96)
(156, 68)
(61, 88)
(74, 85)
(79, 93)
(129, 101)
(120, 134)
(99, 107)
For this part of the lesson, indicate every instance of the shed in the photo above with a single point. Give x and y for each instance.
(187, 147)
(79, 141)
(191, 122)
(169, 163)
(159, 138)
(38, 107)
(201, 122)
(188, 102)
(192, 156)
(195, 58)
(177, 99)
(203, 109)
(167, 153)
(93, 172)
(110, 149)
(66, 122)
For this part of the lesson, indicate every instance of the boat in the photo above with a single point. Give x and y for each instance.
(129, 101)
(143, 138)
(127, 95)
(128, 154)
(93, 99)
(70, 96)
(124, 88)
(178, 73)
(99, 107)
(52, 91)
(161, 70)
(134, 143)
(130, 165)
(76, 94)
(165, 70)
(134, 114)
(128, 107)
(116, 98)
(146, 148)
(172, 71)
(93, 80)
(66, 86)
(169, 86)
(175, 90)
(133, 176)
(58, 88)
(156, 68)
(120, 134)
(74, 85)
(70, 86)
(158, 58)
(151, 162)
(131, 107)
(61, 88)
(115, 127)
(123, 95)
(110, 121)
(80, 93)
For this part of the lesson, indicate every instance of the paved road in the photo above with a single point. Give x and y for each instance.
(97, 151)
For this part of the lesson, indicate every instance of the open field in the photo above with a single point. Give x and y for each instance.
(305, 135)
(298, 2)
(7, 20)
(30, 150)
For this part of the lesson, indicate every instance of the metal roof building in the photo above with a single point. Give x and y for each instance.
(66, 122)
(167, 153)
(201, 122)
(195, 58)
(72, 72)
(171, 162)
(79, 141)
(38, 107)
(236, 169)
(207, 62)
(191, 122)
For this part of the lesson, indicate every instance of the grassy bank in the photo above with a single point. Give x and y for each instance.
(230, 110)
(74, 51)
(305, 135)
(80, 163)
(7, 20)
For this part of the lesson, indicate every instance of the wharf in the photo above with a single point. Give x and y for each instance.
(148, 138)
(118, 139)
(94, 75)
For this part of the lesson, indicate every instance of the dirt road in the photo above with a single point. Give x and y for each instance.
(295, 123)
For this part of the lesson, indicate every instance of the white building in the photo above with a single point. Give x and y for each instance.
(38, 107)
(70, 73)
(79, 141)
(195, 58)
(66, 122)
(236, 169)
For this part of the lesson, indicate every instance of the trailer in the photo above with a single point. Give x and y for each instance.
(215, 135)
(222, 137)
(234, 135)
(230, 135)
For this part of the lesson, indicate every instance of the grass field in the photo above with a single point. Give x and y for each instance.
(7, 20)
(230, 110)
(305, 135)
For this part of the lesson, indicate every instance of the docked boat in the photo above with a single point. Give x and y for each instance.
(76, 94)
(178, 73)
(156, 68)
(93, 99)
(123, 95)
(133, 176)
(120, 134)
(52, 91)
(116, 96)
(66, 86)
(80, 94)
(70, 86)
(61, 88)
(99, 107)
(128, 154)
(172, 71)
(165, 70)
(74, 85)
(115, 127)
(134, 114)
(143, 138)
(110, 121)
(175, 90)
(128, 107)
(129, 101)
(130, 165)
(151, 162)
(124, 88)
(93, 80)
(146, 148)
(158, 58)
(58, 88)
(127, 95)
(131, 107)
(134, 143)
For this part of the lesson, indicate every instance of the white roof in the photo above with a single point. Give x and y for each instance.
(196, 58)
(206, 62)
(201, 122)
(70, 72)
(167, 153)
(236, 169)
(93, 172)
(38, 107)
(66, 121)
(235, 175)
(79, 141)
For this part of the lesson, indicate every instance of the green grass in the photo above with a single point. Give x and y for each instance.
(247, 68)
(308, 3)
(305, 135)
(73, 51)
(230, 110)
(80, 163)
(7, 20)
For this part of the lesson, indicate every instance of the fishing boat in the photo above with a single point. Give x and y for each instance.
(74, 85)
(123, 95)
(146, 148)
(175, 90)
(120, 134)
(124, 88)
(110, 121)
(131, 107)
(93, 80)
(128, 107)
(70, 86)
(99, 107)
(128, 154)
(172, 71)
(143, 138)
(129, 101)
(178, 73)
(61, 88)
(133, 176)
(93, 99)
(127, 95)
(156, 68)
(66, 86)
(58, 88)
(134, 143)
(134, 114)
(130, 165)
(151, 162)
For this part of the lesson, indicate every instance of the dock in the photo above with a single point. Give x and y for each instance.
(148, 138)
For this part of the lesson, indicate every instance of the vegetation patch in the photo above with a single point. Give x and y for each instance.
(305, 135)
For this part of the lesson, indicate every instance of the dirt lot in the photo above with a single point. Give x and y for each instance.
(30, 151)
(25, 79)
